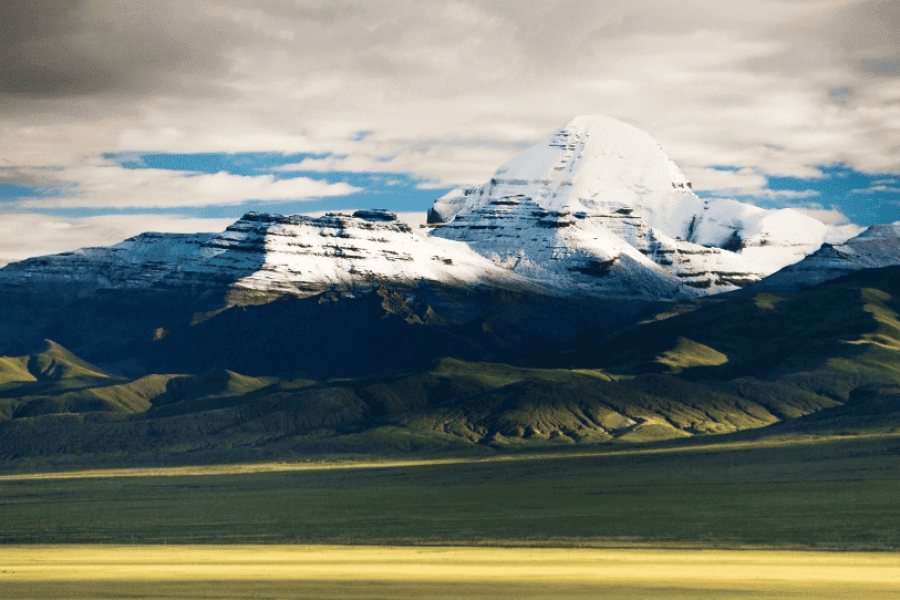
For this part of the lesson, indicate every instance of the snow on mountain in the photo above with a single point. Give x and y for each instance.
(263, 256)
(597, 209)
(598, 206)
(878, 246)
(304, 255)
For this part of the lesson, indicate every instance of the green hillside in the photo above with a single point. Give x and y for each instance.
(56, 364)
(819, 361)
(846, 327)
(14, 370)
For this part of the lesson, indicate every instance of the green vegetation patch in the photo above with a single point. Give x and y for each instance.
(687, 354)
(14, 370)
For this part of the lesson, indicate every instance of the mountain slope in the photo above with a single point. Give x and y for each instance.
(107, 303)
(595, 215)
(598, 208)
(258, 258)
(367, 332)
(824, 360)
(829, 340)
(876, 247)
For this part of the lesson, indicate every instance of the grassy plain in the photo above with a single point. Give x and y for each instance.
(81, 572)
(837, 494)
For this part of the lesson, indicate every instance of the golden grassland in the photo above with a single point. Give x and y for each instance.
(31, 572)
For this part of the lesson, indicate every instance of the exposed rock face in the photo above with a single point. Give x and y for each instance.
(876, 247)
(263, 256)
(599, 208)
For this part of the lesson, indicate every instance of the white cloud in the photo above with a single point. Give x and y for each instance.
(106, 184)
(829, 216)
(788, 194)
(437, 164)
(878, 189)
(742, 182)
(24, 235)
(452, 89)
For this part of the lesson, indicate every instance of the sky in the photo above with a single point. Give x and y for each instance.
(180, 115)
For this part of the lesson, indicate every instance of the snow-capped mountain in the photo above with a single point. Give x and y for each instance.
(596, 210)
(878, 246)
(599, 208)
(262, 256)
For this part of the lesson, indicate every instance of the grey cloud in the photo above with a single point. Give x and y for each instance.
(40, 177)
(779, 86)
(841, 95)
(864, 34)
(74, 47)
(34, 58)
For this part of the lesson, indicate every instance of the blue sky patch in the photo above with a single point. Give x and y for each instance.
(397, 192)
(864, 198)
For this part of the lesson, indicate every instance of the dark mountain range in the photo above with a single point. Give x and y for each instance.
(820, 360)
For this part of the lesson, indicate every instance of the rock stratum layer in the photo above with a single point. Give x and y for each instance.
(599, 208)
(876, 247)
(263, 256)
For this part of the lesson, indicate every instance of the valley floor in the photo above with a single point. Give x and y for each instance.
(792, 494)
(225, 572)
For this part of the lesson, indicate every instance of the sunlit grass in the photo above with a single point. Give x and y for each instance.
(687, 354)
(339, 463)
(450, 572)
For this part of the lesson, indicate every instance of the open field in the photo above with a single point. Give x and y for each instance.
(837, 494)
(442, 573)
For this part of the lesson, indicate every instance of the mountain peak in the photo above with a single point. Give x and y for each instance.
(590, 164)
(598, 191)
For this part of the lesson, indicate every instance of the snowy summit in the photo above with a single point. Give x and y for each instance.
(595, 210)
(598, 207)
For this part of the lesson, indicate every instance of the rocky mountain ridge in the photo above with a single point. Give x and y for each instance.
(599, 207)
(261, 257)
(876, 247)
(595, 210)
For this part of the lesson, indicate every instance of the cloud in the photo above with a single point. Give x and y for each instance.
(435, 163)
(876, 188)
(23, 235)
(450, 90)
(829, 216)
(105, 184)
(743, 182)
(788, 194)
(75, 47)
(726, 181)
